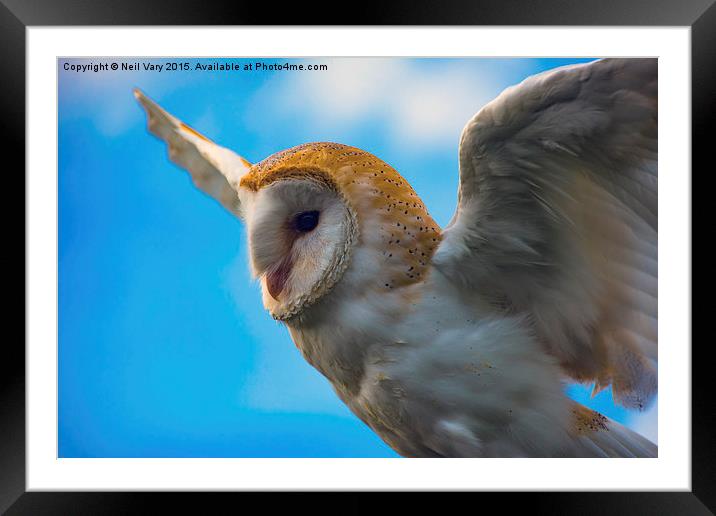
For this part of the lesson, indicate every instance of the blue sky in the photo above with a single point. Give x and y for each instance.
(164, 347)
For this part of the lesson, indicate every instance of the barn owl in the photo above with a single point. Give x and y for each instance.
(457, 341)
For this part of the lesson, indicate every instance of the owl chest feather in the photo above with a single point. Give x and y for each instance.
(431, 376)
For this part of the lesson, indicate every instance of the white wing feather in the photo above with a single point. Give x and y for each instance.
(214, 169)
(557, 217)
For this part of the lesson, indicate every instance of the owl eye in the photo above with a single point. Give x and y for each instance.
(306, 221)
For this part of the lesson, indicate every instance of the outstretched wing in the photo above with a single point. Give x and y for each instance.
(214, 169)
(557, 217)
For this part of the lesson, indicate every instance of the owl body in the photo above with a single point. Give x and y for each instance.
(456, 341)
(438, 378)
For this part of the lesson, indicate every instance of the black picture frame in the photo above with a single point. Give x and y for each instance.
(16, 15)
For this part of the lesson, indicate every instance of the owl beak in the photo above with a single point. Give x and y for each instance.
(277, 277)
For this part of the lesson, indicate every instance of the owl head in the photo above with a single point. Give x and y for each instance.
(316, 214)
(314, 211)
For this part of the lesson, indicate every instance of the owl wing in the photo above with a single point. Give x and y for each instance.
(214, 169)
(557, 218)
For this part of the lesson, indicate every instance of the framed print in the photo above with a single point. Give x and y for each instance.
(247, 268)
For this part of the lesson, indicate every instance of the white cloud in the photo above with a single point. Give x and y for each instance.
(420, 105)
(350, 89)
(435, 108)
